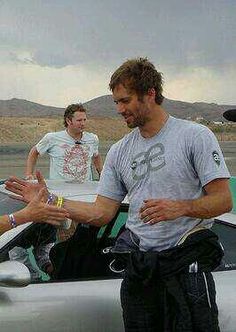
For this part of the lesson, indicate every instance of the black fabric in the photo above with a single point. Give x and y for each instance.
(151, 308)
(80, 256)
(38, 234)
(230, 115)
(202, 246)
(146, 269)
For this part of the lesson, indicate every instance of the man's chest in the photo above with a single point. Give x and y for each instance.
(153, 163)
(70, 151)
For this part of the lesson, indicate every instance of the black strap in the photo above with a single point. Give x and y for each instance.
(107, 231)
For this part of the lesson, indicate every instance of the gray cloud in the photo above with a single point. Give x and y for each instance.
(66, 45)
(60, 33)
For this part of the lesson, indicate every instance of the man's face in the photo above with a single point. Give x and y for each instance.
(77, 123)
(134, 111)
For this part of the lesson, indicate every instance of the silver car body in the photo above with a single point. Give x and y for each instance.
(91, 305)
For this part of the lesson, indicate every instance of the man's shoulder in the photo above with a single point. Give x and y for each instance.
(53, 136)
(89, 136)
(56, 133)
(189, 126)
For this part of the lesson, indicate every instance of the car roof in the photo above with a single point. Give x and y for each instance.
(227, 218)
(74, 190)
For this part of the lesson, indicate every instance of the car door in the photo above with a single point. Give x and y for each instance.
(82, 304)
(225, 276)
(88, 305)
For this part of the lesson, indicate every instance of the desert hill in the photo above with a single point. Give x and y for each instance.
(104, 107)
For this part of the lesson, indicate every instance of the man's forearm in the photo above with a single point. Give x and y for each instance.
(19, 216)
(216, 201)
(31, 162)
(88, 213)
(208, 206)
(97, 160)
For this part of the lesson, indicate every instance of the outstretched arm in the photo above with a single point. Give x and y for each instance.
(37, 211)
(98, 213)
(217, 200)
(31, 162)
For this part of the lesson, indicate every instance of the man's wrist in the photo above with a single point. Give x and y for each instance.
(18, 218)
(187, 206)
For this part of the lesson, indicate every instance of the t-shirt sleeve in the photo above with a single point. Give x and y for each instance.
(111, 184)
(44, 144)
(95, 145)
(207, 157)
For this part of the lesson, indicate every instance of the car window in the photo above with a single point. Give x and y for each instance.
(227, 237)
(73, 257)
(8, 204)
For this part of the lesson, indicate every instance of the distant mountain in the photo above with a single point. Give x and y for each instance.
(104, 107)
(24, 108)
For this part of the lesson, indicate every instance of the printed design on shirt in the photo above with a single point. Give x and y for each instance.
(150, 161)
(76, 162)
(216, 157)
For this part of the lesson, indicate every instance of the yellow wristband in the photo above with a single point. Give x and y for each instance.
(60, 201)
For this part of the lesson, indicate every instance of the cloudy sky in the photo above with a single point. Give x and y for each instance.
(60, 51)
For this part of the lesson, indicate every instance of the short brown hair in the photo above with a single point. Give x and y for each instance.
(70, 111)
(138, 75)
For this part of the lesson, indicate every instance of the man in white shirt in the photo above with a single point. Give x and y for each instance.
(72, 151)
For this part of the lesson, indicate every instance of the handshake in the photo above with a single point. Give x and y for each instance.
(42, 206)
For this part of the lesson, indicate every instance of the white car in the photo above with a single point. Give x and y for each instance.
(87, 301)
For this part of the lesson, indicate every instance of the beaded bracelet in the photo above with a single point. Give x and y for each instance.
(50, 198)
(12, 220)
(60, 201)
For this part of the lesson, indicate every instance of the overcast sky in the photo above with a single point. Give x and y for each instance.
(56, 52)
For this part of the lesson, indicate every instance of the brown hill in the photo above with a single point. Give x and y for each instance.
(28, 131)
(24, 108)
(104, 107)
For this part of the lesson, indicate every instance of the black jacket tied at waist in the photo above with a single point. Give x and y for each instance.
(201, 247)
(146, 268)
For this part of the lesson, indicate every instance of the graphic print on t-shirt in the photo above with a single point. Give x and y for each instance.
(76, 162)
(149, 161)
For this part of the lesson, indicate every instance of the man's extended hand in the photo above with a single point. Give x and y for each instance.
(39, 211)
(26, 191)
(156, 210)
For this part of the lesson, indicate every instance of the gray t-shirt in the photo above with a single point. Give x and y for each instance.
(174, 164)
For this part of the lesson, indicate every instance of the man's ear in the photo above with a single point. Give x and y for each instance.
(152, 93)
(68, 121)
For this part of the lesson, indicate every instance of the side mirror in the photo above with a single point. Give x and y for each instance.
(14, 274)
(230, 115)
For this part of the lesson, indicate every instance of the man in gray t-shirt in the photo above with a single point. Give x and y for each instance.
(176, 180)
(175, 163)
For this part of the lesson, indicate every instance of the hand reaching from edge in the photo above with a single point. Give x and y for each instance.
(39, 211)
(26, 191)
